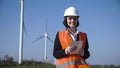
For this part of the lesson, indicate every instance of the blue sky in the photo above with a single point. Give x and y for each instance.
(100, 19)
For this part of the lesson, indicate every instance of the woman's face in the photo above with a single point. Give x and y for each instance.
(72, 21)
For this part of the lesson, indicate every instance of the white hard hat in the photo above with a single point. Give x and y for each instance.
(71, 11)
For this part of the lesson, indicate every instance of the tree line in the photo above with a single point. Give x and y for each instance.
(9, 61)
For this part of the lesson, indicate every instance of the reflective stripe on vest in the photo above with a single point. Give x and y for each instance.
(71, 63)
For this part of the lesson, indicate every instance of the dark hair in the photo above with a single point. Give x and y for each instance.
(66, 25)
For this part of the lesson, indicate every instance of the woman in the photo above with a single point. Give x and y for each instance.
(64, 53)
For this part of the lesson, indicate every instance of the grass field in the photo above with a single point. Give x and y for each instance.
(52, 66)
(32, 66)
(8, 62)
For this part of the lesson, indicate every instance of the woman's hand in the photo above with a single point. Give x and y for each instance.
(68, 50)
(71, 50)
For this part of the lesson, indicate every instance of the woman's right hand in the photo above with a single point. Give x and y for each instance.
(69, 49)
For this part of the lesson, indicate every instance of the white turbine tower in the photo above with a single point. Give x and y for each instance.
(21, 31)
(45, 39)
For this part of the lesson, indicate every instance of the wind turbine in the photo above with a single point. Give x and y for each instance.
(45, 35)
(22, 27)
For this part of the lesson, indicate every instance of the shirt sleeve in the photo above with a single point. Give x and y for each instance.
(58, 52)
(86, 52)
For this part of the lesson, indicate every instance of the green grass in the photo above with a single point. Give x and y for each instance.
(31, 66)
(104, 66)
(53, 66)
(42, 65)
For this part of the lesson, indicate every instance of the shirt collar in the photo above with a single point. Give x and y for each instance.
(74, 37)
(71, 32)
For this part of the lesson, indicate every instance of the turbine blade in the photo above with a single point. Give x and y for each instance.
(46, 26)
(38, 38)
(24, 28)
(50, 39)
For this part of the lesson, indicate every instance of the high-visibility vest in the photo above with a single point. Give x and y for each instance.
(71, 61)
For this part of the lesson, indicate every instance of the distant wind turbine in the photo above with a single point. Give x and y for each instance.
(46, 37)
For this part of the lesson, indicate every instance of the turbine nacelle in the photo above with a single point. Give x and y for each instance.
(45, 34)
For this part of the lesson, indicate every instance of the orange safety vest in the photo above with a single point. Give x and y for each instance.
(71, 61)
